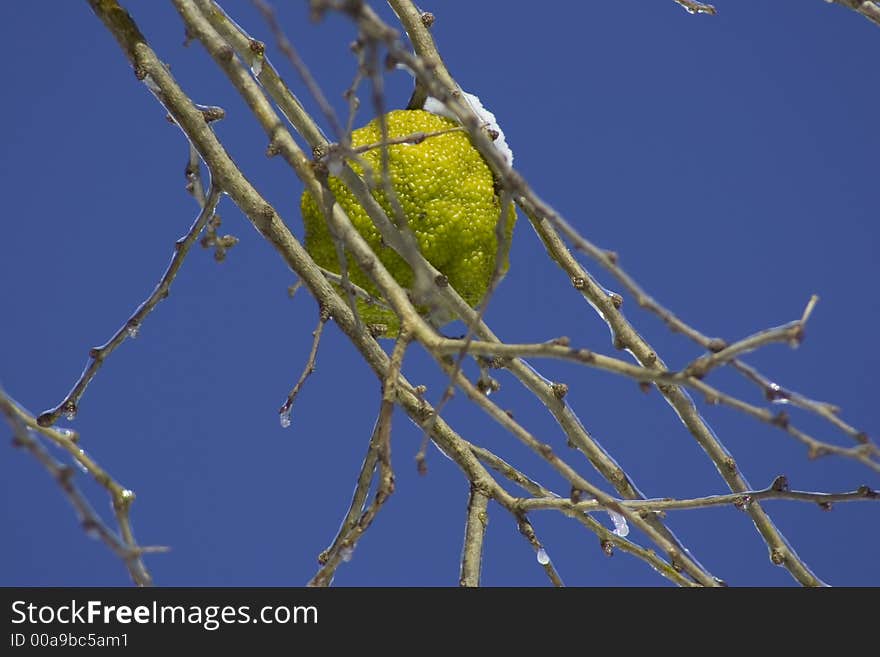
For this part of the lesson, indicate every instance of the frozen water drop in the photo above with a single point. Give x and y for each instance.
(777, 394)
(127, 494)
(79, 463)
(70, 414)
(346, 553)
(151, 84)
(284, 418)
(133, 330)
(542, 557)
(620, 527)
(257, 66)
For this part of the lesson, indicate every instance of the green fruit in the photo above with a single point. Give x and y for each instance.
(446, 191)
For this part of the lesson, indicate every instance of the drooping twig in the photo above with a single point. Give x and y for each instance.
(284, 411)
(24, 429)
(97, 355)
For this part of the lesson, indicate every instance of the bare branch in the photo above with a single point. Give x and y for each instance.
(356, 522)
(97, 355)
(429, 68)
(284, 411)
(24, 428)
(775, 491)
(475, 530)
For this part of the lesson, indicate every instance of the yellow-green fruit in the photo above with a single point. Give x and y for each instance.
(446, 191)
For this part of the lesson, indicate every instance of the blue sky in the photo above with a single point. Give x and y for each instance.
(731, 161)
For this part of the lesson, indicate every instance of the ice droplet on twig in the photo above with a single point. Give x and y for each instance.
(151, 84)
(620, 527)
(284, 418)
(132, 330)
(542, 557)
(346, 554)
(257, 66)
(79, 464)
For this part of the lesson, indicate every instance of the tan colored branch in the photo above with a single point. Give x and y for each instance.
(475, 531)
(25, 428)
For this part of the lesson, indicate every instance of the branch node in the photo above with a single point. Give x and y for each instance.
(780, 419)
(716, 344)
(780, 484)
(560, 390)
(865, 491)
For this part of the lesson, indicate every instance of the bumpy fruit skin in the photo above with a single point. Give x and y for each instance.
(446, 191)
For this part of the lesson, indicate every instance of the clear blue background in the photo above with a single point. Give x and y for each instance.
(731, 160)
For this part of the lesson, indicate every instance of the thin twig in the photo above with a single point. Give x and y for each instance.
(792, 333)
(97, 355)
(358, 519)
(299, 65)
(414, 138)
(865, 453)
(608, 540)
(210, 239)
(24, 427)
(284, 411)
(670, 547)
(526, 529)
(503, 467)
(739, 500)
(776, 393)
